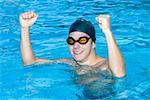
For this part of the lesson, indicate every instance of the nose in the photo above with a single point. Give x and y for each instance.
(76, 45)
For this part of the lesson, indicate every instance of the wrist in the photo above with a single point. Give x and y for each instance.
(25, 30)
(106, 30)
(25, 27)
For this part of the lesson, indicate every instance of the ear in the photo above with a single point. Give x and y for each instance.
(94, 45)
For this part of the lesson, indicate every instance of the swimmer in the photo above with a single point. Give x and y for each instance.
(81, 43)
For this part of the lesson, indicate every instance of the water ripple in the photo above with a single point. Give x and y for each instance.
(130, 25)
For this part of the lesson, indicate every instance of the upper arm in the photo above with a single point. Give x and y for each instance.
(117, 73)
(43, 61)
(39, 61)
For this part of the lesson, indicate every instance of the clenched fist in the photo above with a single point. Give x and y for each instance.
(104, 22)
(27, 19)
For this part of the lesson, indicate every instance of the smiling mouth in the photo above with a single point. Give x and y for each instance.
(77, 53)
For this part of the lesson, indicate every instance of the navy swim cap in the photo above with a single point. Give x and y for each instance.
(82, 25)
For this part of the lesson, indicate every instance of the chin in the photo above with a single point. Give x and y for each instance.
(78, 58)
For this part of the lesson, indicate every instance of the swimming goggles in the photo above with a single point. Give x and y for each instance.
(81, 40)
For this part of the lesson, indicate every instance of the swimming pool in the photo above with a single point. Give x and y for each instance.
(130, 25)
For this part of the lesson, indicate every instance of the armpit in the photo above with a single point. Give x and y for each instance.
(105, 66)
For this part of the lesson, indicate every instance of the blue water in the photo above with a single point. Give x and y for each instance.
(130, 22)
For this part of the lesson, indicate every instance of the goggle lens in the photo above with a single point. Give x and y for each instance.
(81, 40)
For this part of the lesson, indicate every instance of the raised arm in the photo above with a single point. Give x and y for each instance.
(116, 61)
(27, 19)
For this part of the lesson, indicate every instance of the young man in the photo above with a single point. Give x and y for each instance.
(81, 43)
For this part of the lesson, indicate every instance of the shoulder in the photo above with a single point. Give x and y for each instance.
(104, 64)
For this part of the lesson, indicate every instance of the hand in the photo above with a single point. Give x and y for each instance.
(104, 22)
(27, 19)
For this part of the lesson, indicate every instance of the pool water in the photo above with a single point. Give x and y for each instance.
(130, 22)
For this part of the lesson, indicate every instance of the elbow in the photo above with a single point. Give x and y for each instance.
(121, 72)
(28, 63)
(120, 75)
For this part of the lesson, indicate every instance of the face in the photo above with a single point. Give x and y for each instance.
(80, 52)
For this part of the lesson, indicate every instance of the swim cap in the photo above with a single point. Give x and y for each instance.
(82, 25)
